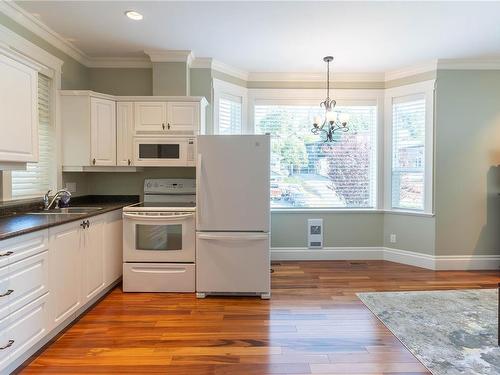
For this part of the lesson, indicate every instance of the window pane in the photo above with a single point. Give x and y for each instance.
(408, 146)
(37, 178)
(229, 116)
(308, 173)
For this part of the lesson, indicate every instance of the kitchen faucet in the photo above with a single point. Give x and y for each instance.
(47, 205)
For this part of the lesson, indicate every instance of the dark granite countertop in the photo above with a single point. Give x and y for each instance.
(17, 221)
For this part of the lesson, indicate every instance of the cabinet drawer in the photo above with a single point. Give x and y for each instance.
(23, 282)
(17, 248)
(158, 277)
(22, 329)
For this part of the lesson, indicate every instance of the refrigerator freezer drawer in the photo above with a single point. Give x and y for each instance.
(232, 262)
(158, 277)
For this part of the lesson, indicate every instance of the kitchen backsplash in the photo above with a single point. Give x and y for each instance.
(121, 183)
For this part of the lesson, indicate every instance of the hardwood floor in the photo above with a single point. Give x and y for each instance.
(314, 323)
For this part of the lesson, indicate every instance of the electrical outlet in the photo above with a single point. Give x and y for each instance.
(71, 187)
(393, 238)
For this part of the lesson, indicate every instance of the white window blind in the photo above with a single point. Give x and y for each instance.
(308, 173)
(229, 115)
(408, 152)
(37, 178)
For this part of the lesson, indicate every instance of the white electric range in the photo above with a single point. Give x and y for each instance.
(159, 238)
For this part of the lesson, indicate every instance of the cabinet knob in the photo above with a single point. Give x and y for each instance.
(168, 125)
(8, 345)
(88, 223)
(93, 161)
(10, 291)
(129, 162)
(82, 224)
(163, 126)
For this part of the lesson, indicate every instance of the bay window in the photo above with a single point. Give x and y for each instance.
(409, 147)
(309, 173)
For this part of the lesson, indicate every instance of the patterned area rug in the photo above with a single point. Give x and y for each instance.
(450, 332)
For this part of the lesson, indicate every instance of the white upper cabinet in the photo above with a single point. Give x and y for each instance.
(183, 117)
(18, 111)
(102, 131)
(150, 117)
(124, 133)
(171, 117)
(88, 130)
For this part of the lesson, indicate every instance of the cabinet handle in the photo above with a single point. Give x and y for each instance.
(163, 126)
(88, 223)
(10, 291)
(168, 125)
(93, 161)
(8, 253)
(129, 162)
(82, 224)
(8, 345)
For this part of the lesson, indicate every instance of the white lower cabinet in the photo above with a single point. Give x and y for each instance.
(23, 329)
(50, 276)
(93, 258)
(65, 243)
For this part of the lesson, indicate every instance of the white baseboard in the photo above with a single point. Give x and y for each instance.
(412, 258)
(327, 253)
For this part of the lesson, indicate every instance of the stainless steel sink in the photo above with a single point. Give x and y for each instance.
(68, 211)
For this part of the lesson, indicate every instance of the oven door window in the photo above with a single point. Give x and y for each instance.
(158, 237)
(159, 151)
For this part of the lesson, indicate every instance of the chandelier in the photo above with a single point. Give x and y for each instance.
(333, 121)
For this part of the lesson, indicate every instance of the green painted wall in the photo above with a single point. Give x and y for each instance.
(121, 81)
(201, 84)
(289, 229)
(467, 158)
(413, 233)
(74, 75)
(170, 78)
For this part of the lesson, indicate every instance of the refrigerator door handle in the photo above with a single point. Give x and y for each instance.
(252, 237)
(198, 189)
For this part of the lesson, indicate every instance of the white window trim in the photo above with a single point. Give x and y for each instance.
(425, 88)
(229, 90)
(52, 68)
(314, 97)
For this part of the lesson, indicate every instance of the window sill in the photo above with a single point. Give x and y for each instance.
(349, 211)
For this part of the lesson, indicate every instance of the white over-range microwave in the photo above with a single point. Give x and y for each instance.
(165, 151)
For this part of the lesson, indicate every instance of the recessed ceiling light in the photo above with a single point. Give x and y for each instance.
(133, 15)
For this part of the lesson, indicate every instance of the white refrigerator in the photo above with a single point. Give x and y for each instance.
(232, 215)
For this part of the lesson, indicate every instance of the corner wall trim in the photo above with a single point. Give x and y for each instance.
(412, 258)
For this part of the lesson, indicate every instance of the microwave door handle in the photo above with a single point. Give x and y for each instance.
(157, 217)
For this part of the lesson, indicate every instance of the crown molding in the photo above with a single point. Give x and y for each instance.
(33, 24)
(314, 77)
(202, 63)
(468, 64)
(185, 56)
(118, 62)
(230, 70)
(411, 71)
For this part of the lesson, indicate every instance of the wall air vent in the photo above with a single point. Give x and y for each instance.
(315, 233)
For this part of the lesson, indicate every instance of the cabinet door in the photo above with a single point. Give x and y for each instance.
(113, 247)
(102, 132)
(150, 117)
(18, 112)
(182, 117)
(93, 258)
(124, 133)
(65, 243)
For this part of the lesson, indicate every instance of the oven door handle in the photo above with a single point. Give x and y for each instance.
(157, 217)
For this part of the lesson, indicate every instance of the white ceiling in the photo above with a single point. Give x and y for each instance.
(282, 36)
